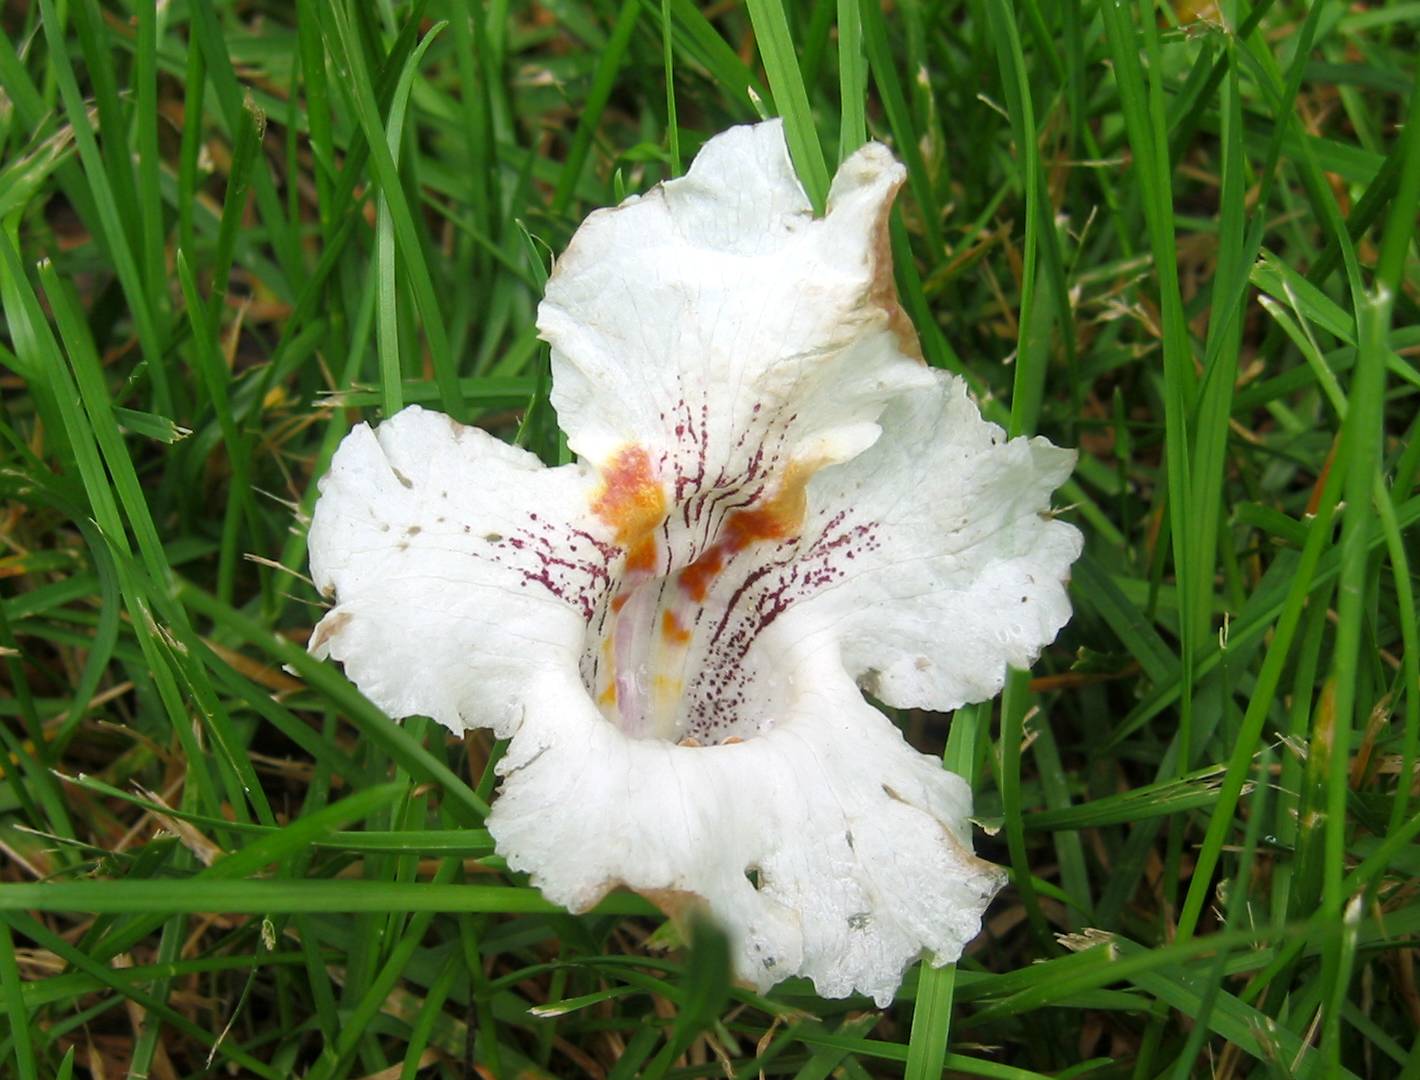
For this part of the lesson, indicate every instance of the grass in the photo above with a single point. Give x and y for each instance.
(1180, 238)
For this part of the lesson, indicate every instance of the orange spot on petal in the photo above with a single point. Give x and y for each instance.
(642, 556)
(672, 630)
(631, 500)
(779, 517)
(695, 578)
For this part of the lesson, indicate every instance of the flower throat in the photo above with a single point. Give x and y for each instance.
(668, 656)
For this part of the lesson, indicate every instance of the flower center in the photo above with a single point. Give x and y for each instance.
(669, 655)
(646, 658)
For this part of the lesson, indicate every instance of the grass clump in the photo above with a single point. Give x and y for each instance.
(1180, 238)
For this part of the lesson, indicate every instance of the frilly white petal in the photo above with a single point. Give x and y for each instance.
(857, 842)
(437, 542)
(715, 316)
(966, 572)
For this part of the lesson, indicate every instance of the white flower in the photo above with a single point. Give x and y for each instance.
(776, 507)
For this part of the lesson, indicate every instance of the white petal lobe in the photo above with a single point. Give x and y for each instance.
(434, 540)
(715, 318)
(828, 847)
(967, 575)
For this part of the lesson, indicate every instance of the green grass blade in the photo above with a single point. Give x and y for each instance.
(852, 79)
(110, 213)
(205, 27)
(387, 305)
(15, 1012)
(668, 63)
(255, 897)
(1357, 461)
(791, 99)
(347, 49)
(894, 102)
(608, 66)
(931, 1022)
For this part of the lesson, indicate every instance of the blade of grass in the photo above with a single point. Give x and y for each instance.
(204, 26)
(255, 897)
(1143, 108)
(145, 119)
(118, 152)
(791, 99)
(931, 1022)
(1035, 316)
(189, 153)
(429, 1014)
(1221, 349)
(609, 65)
(346, 48)
(899, 118)
(699, 38)
(109, 213)
(15, 1011)
(852, 80)
(214, 375)
(668, 63)
(250, 129)
(1015, 703)
(1237, 900)
(1357, 460)
(1260, 701)
(387, 307)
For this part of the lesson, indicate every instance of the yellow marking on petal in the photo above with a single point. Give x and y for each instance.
(672, 630)
(642, 556)
(778, 517)
(631, 500)
(696, 578)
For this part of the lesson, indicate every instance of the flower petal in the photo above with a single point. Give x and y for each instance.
(716, 322)
(965, 572)
(827, 847)
(461, 568)
(927, 563)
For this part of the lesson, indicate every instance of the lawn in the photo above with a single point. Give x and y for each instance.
(1179, 238)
